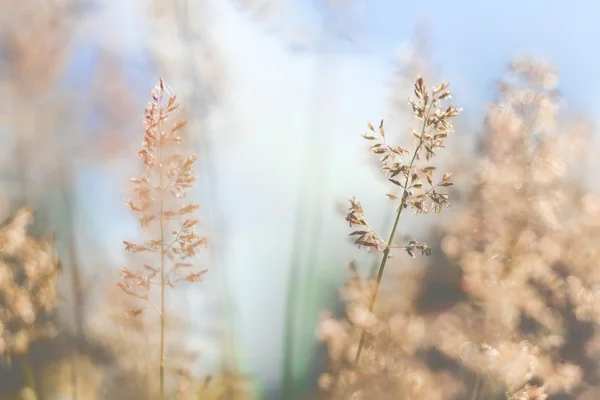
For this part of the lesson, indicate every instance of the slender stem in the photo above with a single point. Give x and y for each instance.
(202, 105)
(162, 273)
(28, 375)
(76, 275)
(299, 298)
(386, 252)
(476, 387)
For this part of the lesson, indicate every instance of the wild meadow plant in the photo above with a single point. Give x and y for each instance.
(174, 242)
(527, 247)
(29, 270)
(421, 190)
(524, 249)
(400, 167)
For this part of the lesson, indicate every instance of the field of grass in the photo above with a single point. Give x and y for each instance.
(473, 243)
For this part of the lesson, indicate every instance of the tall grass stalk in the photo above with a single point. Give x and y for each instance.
(435, 129)
(386, 251)
(296, 297)
(167, 172)
(204, 95)
(28, 374)
(301, 303)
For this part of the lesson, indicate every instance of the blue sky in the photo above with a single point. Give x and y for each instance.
(261, 140)
(473, 41)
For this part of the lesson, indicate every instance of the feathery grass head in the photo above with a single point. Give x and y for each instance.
(436, 125)
(168, 176)
(421, 191)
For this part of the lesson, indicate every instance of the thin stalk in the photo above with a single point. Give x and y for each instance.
(76, 276)
(476, 387)
(28, 375)
(386, 251)
(297, 284)
(162, 273)
(217, 223)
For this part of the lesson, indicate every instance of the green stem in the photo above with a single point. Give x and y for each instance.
(299, 299)
(28, 375)
(184, 10)
(386, 252)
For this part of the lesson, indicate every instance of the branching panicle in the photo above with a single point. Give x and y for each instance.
(167, 177)
(420, 191)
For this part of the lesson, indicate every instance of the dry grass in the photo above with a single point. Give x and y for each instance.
(506, 307)
(168, 176)
(435, 128)
(525, 256)
(29, 269)
(523, 324)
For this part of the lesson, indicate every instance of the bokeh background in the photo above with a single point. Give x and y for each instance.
(278, 93)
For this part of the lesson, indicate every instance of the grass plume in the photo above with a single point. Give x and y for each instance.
(436, 126)
(167, 177)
